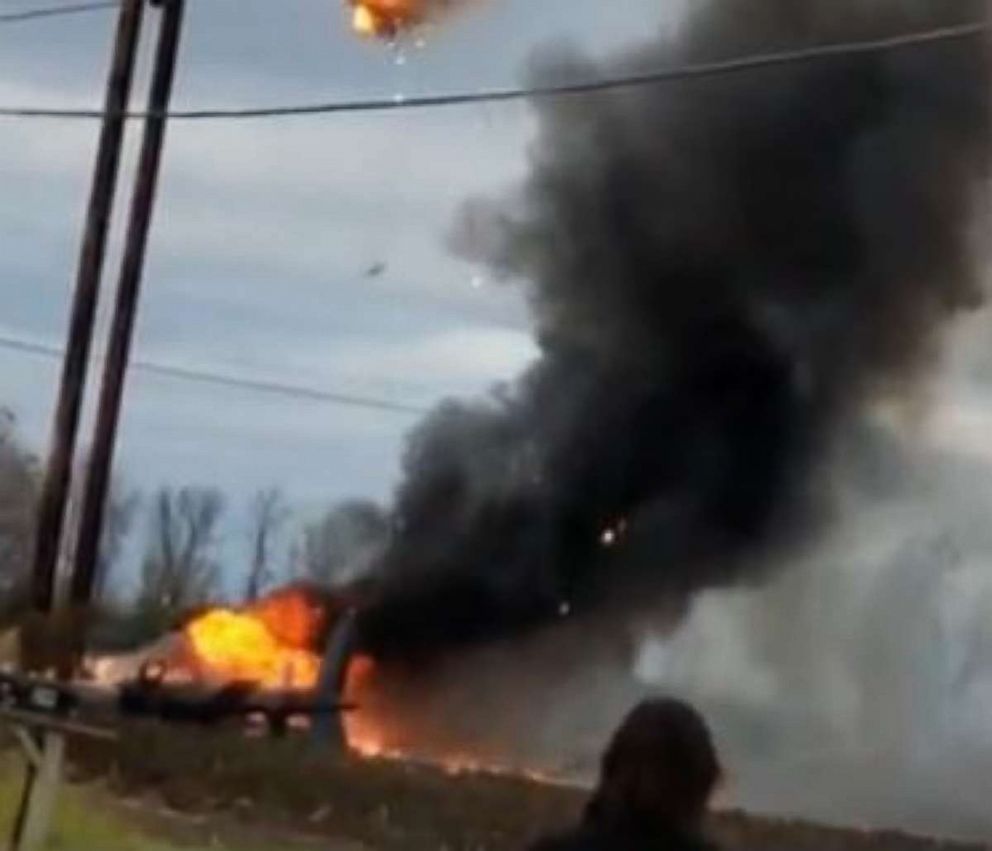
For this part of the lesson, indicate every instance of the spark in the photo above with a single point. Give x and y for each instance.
(611, 535)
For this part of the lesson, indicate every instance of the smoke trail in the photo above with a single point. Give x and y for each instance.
(722, 275)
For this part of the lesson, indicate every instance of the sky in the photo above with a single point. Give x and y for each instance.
(265, 231)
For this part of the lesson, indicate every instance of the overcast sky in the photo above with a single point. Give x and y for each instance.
(265, 230)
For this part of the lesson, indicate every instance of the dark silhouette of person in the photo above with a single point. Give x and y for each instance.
(656, 781)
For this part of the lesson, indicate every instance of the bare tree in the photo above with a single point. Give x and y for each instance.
(179, 570)
(267, 517)
(18, 493)
(122, 508)
(118, 521)
(344, 543)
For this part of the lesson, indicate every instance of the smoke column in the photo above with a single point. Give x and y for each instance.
(853, 686)
(724, 275)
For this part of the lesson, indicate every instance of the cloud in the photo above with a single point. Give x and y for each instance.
(265, 231)
(453, 362)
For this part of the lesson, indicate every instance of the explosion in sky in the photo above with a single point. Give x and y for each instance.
(390, 18)
(722, 273)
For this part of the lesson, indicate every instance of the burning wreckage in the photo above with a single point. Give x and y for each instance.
(261, 663)
(297, 657)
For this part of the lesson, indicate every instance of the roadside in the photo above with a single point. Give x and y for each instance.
(166, 789)
(90, 818)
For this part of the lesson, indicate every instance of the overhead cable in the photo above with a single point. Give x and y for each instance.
(704, 70)
(56, 11)
(232, 381)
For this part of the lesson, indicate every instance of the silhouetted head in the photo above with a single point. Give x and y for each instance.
(659, 771)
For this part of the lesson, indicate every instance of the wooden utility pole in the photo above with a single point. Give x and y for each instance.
(44, 748)
(55, 487)
(125, 312)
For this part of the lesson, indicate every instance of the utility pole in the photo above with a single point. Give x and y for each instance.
(122, 328)
(55, 486)
(45, 748)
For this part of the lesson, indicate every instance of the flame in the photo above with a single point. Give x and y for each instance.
(267, 644)
(240, 646)
(363, 21)
(379, 729)
(389, 18)
(271, 645)
(385, 18)
(366, 736)
(292, 616)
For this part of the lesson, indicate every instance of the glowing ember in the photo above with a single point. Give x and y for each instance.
(611, 536)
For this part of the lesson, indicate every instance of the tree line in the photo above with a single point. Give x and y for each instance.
(170, 550)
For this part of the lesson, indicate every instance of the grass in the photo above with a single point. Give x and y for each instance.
(88, 819)
(287, 785)
(169, 789)
(78, 824)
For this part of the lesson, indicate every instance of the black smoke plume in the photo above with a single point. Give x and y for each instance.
(722, 273)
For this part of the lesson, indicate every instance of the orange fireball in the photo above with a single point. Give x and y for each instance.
(364, 21)
(234, 645)
(271, 643)
(386, 18)
(293, 615)
(390, 18)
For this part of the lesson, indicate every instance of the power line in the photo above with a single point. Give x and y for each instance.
(56, 11)
(688, 72)
(236, 382)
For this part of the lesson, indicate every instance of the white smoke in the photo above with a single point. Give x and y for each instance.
(857, 685)
(854, 687)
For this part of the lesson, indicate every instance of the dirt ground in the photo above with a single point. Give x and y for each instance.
(198, 786)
